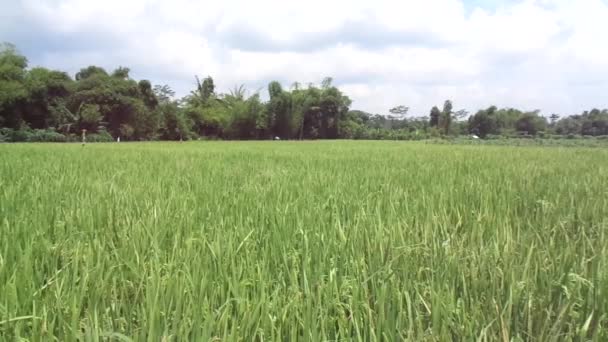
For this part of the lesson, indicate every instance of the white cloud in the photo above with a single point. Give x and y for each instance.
(528, 53)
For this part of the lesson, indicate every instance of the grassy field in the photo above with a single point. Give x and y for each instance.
(303, 241)
(544, 142)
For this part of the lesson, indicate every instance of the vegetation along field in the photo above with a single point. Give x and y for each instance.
(331, 240)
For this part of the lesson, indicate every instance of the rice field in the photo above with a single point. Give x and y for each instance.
(311, 241)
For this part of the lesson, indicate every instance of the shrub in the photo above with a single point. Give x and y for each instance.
(101, 136)
(5, 134)
(19, 135)
(46, 135)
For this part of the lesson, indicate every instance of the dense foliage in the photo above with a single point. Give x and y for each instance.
(323, 241)
(39, 104)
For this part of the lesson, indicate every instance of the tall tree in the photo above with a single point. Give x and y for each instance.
(163, 93)
(434, 117)
(146, 93)
(531, 123)
(13, 92)
(48, 92)
(175, 124)
(206, 89)
(126, 106)
(446, 117)
(484, 122)
(207, 116)
(279, 110)
(89, 71)
(121, 72)
(399, 111)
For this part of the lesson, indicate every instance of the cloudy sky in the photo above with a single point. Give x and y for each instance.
(529, 54)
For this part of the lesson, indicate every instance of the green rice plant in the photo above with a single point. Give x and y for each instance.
(555, 141)
(286, 241)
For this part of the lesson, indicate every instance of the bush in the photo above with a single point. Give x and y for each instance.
(19, 135)
(49, 135)
(4, 134)
(101, 136)
(44, 135)
(29, 135)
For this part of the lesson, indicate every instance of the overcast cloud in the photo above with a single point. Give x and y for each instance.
(531, 54)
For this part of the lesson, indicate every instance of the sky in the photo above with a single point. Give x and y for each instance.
(526, 54)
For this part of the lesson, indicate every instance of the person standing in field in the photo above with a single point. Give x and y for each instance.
(84, 137)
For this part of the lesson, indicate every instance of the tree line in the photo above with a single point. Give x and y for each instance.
(39, 104)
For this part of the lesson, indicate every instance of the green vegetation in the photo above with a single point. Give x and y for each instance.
(315, 241)
(39, 104)
(557, 141)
